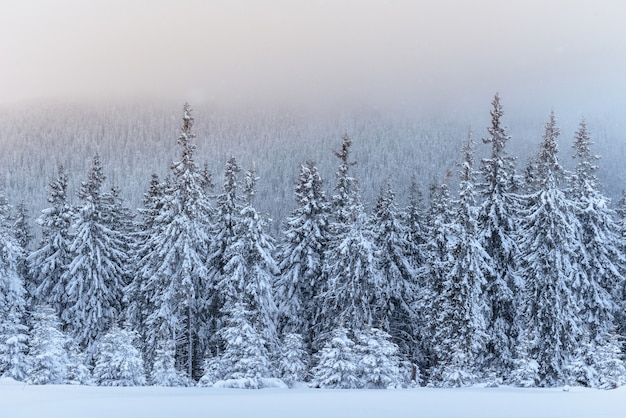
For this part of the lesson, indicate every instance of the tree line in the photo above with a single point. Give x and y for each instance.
(516, 278)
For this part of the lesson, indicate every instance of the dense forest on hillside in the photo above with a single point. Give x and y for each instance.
(136, 140)
(495, 266)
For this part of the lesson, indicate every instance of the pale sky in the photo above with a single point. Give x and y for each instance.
(553, 52)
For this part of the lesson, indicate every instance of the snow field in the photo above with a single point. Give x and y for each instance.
(51, 401)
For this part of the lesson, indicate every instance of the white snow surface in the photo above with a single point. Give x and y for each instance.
(18, 400)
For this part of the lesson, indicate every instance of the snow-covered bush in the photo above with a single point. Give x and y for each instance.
(337, 365)
(378, 361)
(118, 362)
(48, 358)
(292, 365)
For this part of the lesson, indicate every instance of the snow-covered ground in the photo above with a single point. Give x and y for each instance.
(22, 401)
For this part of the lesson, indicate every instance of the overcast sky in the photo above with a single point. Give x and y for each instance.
(445, 52)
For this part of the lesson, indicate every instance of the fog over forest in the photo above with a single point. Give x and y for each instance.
(276, 82)
(137, 139)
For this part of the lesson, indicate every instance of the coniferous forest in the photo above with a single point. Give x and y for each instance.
(500, 271)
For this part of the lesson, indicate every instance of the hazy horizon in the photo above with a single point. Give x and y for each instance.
(445, 55)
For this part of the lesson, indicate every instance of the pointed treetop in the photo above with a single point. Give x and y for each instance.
(582, 150)
(95, 178)
(186, 135)
(548, 162)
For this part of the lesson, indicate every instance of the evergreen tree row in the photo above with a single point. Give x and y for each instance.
(516, 278)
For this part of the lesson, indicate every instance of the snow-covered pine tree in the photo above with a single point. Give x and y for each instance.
(24, 237)
(354, 292)
(497, 220)
(437, 265)
(301, 256)
(139, 303)
(13, 332)
(378, 364)
(117, 361)
(551, 241)
(47, 356)
(337, 363)
(226, 221)
(525, 372)
(352, 295)
(96, 275)
(603, 262)
(50, 260)
(293, 359)
(414, 217)
(460, 337)
(397, 311)
(609, 364)
(620, 318)
(250, 268)
(173, 275)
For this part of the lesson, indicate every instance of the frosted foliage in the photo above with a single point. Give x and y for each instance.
(397, 268)
(378, 360)
(170, 283)
(552, 247)
(97, 271)
(497, 219)
(13, 347)
(118, 361)
(13, 333)
(47, 357)
(604, 263)
(164, 372)
(337, 363)
(293, 361)
(245, 354)
(301, 255)
(610, 364)
(50, 260)
(355, 287)
(460, 336)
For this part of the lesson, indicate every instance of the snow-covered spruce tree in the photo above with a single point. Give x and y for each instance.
(13, 332)
(97, 272)
(226, 222)
(603, 263)
(525, 372)
(337, 363)
(497, 220)
(414, 217)
(139, 303)
(609, 364)
(118, 361)
(301, 256)
(378, 358)
(354, 289)
(352, 295)
(24, 236)
(23, 233)
(245, 361)
(437, 265)
(293, 359)
(397, 313)
(173, 275)
(250, 269)
(47, 356)
(77, 371)
(551, 241)
(460, 328)
(621, 296)
(50, 260)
